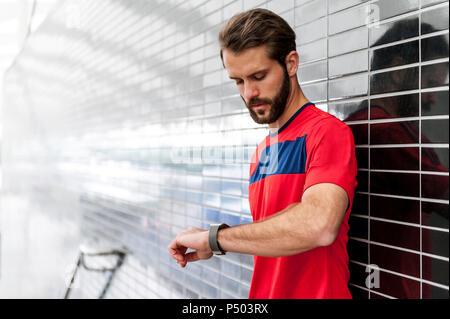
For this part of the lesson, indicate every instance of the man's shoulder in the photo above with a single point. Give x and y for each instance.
(323, 122)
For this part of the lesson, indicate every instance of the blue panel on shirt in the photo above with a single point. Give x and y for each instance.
(288, 157)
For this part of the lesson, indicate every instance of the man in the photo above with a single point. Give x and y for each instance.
(302, 176)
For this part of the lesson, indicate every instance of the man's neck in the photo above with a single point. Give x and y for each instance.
(295, 101)
(389, 106)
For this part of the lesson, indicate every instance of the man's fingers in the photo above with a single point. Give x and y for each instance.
(182, 250)
(176, 251)
(173, 246)
(194, 239)
(189, 257)
(193, 256)
(172, 250)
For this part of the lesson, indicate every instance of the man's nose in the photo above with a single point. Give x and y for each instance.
(250, 91)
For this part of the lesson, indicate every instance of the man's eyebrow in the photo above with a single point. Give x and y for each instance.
(253, 74)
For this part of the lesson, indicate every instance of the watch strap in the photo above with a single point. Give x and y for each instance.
(213, 243)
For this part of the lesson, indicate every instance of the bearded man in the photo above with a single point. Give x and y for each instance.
(302, 175)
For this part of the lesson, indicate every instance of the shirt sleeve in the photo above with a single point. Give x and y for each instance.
(331, 157)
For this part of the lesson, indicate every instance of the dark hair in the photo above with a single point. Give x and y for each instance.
(434, 47)
(407, 53)
(258, 27)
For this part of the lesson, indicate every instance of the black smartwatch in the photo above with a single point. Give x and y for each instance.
(213, 243)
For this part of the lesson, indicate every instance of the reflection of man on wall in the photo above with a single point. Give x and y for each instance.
(403, 132)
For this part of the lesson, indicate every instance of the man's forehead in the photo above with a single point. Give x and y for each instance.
(248, 61)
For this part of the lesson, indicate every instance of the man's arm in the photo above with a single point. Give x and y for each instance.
(300, 227)
(303, 226)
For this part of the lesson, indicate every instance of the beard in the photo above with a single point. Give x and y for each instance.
(277, 105)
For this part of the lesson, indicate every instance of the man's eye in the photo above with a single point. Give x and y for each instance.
(239, 82)
(259, 77)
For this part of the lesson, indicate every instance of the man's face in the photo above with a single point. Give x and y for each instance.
(263, 83)
(432, 76)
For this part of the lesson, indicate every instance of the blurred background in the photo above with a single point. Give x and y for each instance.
(120, 128)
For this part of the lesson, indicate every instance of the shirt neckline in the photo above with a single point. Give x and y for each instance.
(290, 120)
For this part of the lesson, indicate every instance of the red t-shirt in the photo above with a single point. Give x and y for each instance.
(312, 147)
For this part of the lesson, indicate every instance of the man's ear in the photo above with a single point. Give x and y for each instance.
(292, 61)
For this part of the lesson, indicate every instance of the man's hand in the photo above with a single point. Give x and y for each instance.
(193, 238)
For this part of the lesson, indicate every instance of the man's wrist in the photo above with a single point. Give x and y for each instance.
(213, 238)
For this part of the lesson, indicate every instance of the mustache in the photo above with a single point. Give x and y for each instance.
(257, 101)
